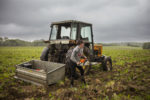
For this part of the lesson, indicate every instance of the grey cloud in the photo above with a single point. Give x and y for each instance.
(113, 20)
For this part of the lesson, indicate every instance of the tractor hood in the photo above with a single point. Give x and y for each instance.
(64, 41)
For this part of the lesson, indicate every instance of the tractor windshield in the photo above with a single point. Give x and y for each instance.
(60, 31)
(54, 32)
(85, 33)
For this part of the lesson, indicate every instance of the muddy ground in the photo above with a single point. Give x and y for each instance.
(128, 82)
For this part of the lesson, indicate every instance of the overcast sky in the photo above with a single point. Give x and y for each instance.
(113, 20)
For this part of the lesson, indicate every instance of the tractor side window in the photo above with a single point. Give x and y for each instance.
(74, 32)
(65, 32)
(86, 33)
(54, 32)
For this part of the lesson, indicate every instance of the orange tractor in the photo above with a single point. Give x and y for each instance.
(63, 37)
(53, 65)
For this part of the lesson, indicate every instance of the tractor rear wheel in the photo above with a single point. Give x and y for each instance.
(44, 54)
(87, 53)
(107, 64)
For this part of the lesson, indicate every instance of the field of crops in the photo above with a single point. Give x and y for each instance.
(129, 80)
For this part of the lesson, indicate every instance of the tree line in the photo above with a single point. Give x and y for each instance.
(17, 42)
(4, 41)
(146, 45)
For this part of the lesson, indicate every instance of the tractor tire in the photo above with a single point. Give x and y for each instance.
(67, 62)
(107, 64)
(44, 54)
(68, 70)
(87, 53)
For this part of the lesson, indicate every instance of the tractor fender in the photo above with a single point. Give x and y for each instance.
(44, 54)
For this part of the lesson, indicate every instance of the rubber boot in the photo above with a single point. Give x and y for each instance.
(83, 80)
(72, 82)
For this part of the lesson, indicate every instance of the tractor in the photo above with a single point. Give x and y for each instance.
(54, 63)
(64, 36)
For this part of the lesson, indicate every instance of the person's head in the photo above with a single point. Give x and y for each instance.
(80, 43)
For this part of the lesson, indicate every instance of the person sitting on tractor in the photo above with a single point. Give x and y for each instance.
(76, 55)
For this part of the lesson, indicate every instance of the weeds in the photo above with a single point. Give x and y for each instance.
(129, 79)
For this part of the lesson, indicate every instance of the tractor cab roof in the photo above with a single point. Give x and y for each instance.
(69, 21)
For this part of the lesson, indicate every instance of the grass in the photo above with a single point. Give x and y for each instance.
(11, 56)
(129, 79)
(122, 55)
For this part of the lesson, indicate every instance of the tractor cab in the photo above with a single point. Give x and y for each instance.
(71, 31)
(64, 35)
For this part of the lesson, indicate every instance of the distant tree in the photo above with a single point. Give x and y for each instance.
(15, 42)
(1, 39)
(5, 38)
(146, 45)
(38, 43)
(133, 44)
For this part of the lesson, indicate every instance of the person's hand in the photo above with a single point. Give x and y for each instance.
(78, 63)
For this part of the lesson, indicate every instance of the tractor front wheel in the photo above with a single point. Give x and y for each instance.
(107, 64)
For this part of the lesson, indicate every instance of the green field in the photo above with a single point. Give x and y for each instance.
(129, 80)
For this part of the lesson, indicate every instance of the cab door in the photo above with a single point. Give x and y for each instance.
(85, 34)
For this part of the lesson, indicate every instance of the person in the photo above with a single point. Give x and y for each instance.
(76, 55)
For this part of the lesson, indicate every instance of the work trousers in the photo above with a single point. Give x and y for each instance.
(73, 67)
